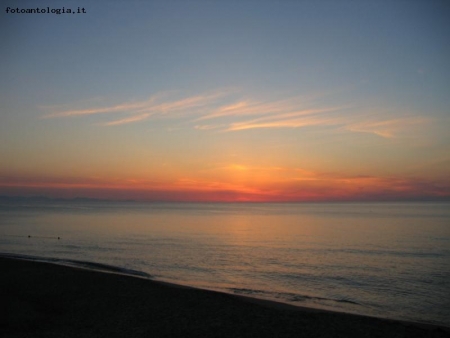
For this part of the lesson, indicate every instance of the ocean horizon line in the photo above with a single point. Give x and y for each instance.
(41, 198)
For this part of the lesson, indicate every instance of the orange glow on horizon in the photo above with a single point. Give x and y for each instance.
(242, 184)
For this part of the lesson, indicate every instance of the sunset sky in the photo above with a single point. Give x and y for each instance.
(226, 100)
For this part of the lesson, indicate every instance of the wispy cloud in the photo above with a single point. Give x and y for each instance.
(382, 127)
(253, 107)
(141, 110)
(386, 128)
(131, 119)
(208, 127)
(242, 108)
(124, 107)
(244, 114)
(183, 104)
(301, 118)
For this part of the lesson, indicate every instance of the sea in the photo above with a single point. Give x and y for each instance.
(388, 260)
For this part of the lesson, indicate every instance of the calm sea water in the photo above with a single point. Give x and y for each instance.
(388, 260)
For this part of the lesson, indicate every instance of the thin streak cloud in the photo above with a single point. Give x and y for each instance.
(386, 128)
(294, 112)
(249, 107)
(112, 109)
(144, 109)
(290, 123)
(128, 120)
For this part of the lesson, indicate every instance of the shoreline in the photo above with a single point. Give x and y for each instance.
(116, 270)
(61, 293)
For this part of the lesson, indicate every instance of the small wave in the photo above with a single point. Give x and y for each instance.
(298, 298)
(248, 291)
(347, 301)
(80, 264)
(289, 297)
(71, 246)
(106, 267)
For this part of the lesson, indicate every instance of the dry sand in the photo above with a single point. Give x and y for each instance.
(47, 300)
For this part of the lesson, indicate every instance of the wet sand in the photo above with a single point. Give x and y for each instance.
(49, 300)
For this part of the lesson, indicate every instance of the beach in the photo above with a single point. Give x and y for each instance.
(48, 300)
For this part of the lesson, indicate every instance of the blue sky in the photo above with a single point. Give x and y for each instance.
(165, 93)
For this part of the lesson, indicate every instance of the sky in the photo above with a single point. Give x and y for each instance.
(226, 101)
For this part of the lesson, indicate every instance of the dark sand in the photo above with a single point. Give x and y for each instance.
(47, 300)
